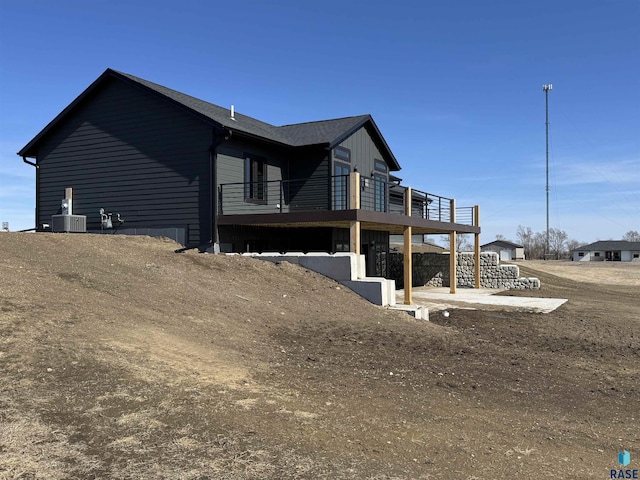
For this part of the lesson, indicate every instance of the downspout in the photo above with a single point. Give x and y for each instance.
(218, 139)
(37, 167)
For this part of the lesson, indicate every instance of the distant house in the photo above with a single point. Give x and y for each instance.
(164, 163)
(607, 250)
(418, 244)
(505, 249)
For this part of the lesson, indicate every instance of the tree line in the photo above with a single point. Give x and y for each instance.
(534, 243)
(560, 245)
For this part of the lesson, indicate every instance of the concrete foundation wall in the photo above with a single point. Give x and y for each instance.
(347, 268)
(432, 269)
(339, 266)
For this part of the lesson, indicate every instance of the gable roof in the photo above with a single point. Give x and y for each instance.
(220, 115)
(324, 132)
(502, 243)
(609, 245)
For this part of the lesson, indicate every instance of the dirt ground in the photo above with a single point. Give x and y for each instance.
(122, 359)
(602, 273)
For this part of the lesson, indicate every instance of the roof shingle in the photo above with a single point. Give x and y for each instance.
(604, 245)
(297, 134)
(329, 132)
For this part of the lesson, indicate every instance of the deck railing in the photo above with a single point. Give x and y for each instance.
(335, 193)
(284, 196)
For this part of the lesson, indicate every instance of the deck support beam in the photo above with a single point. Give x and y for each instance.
(408, 253)
(408, 267)
(354, 237)
(354, 203)
(453, 252)
(476, 246)
(453, 260)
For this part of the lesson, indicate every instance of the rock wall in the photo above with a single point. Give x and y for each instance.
(432, 269)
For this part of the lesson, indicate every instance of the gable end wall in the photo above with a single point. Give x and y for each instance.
(129, 152)
(363, 151)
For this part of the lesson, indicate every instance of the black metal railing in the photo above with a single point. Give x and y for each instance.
(334, 193)
(466, 216)
(381, 196)
(284, 196)
(374, 194)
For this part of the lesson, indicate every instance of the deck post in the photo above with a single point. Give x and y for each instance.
(354, 191)
(354, 237)
(476, 245)
(408, 253)
(354, 204)
(453, 251)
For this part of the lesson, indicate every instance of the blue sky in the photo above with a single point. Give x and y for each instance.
(455, 87)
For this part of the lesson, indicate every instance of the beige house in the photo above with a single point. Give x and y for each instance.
(505, 249)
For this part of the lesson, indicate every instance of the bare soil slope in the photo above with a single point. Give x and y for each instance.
(122, 359)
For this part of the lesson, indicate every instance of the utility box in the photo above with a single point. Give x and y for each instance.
(69, 223)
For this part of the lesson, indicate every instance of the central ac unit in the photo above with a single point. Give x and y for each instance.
(69, 223)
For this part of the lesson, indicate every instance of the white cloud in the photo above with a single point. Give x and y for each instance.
(619, 172)
(570, 171)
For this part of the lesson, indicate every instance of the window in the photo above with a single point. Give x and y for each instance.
(340, 185)
(581, 254)
(255, 179)
(636, 255)
(380, 193)
(342, 153)
(341, 239)
(596, 254)
(379, 175)
(380, 166)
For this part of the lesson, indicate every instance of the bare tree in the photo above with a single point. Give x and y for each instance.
(631, 236)
(525, 236)
(500, 237)
(535, 243)
(464, 242)
(557, 242)
(538, 245)
(573, 244)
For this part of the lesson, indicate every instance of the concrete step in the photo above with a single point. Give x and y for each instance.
(377, 290)
(420, 313)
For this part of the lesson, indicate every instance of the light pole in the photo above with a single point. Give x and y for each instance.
(547, 89)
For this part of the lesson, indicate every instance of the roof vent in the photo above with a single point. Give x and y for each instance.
(233, 113)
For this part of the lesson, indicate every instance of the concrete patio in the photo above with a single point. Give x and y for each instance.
(439, 298)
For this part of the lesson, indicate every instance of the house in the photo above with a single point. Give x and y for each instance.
(607, 250)
(160, 162)
(505, 249)
(418, 244)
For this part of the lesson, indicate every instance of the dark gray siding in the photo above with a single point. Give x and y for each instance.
(230, 160)
(363, 151)
(230, 173)
(304, 171)
(130, 152)
(310, 186)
